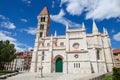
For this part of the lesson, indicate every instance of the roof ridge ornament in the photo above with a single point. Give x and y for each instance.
(95, 29)
(67, 26)
(55, 34)
(105, 31)
(83, 25)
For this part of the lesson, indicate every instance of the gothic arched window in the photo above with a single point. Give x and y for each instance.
(98, 55)
(42, 19)
(41, 26)
(43, 55)
(61, 43)
(48, 44)
(41, 33)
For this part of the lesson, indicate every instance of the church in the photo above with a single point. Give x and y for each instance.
(74, 52)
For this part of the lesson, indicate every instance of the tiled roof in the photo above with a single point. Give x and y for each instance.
(44, 11)
(116, 50)
(24, 54)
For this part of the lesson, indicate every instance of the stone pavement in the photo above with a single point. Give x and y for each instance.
(52, 76)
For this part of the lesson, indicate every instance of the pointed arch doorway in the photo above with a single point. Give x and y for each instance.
(59, 65)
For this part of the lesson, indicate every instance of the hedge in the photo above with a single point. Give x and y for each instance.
(116, 73)
(6, 71)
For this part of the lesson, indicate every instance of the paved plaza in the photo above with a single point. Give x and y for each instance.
(53, 76)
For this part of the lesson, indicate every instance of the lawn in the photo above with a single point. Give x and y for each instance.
(107, 77)
(3, 72)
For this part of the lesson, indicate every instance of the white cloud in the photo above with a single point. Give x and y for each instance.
(6, 32)
(62, 2)
(21, 46)
(30, 30)
(112, 31)
(53, 4)
(95, 9)
(74, 7)
(59, 18)
(117, 36)
(24, 20)
(118, 20)
(3, 17)
(8, 25)
(4, 35)
(105, 9)
(28, 2)
(30, 48)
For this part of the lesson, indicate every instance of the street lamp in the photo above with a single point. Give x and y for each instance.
(41, 67)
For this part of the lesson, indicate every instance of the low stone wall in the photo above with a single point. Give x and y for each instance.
(100, 76)
(8, 75)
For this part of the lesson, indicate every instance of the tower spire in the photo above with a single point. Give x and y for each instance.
(95, 29)
(55, 34)
(44, 22)
(67, 26)
(83, 26)
(105, 31)
(44, 11)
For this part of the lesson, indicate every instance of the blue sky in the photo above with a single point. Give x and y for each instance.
(18, 18)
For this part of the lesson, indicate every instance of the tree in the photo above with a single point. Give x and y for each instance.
(7, 52)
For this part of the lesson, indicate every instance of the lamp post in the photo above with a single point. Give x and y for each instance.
(41, 67)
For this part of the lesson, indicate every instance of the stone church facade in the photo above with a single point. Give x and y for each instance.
(75, 52)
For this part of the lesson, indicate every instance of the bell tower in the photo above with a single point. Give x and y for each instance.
(42, 31)
(43, 23)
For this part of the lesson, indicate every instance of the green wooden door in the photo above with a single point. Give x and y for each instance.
(59, 65)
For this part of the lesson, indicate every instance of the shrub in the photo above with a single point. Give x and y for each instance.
(6, 71)
(116, 73)
(3, 72)
(107, 77)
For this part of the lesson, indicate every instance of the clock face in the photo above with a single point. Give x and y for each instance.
(76, 45)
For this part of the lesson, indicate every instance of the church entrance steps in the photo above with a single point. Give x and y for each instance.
(52, 76)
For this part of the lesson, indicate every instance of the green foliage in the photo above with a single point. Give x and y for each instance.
(116, 73)
(6, 71)
(7, 52)
(3, 72)
(107, 77)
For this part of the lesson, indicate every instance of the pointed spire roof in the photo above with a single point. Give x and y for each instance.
(83, 25)
(55, 34)
(95, 29)
(105, 31)
(67, 26)
(44, 11)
